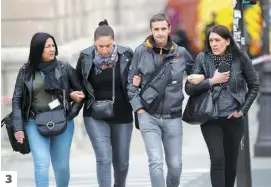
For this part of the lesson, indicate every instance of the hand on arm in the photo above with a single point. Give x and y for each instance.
(77, 96)
(220, 78)
(132, 90)
(195, 78)
(137, 80)
(140, 111)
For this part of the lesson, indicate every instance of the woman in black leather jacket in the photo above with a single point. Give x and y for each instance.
(110, 136)
(228, 69)
(39, 89)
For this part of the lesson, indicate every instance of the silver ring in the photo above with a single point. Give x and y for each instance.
(50, 125)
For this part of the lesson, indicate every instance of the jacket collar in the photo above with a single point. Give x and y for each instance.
(150, 43)
(87, 63)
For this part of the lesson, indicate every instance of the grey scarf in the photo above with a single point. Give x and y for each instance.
(100, 62)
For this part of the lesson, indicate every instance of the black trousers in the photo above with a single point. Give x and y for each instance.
(223, 137)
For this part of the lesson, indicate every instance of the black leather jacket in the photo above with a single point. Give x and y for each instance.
(22, 96)
(84, 66)
(243, 83)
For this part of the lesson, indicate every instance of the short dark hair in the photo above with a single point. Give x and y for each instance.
(159, 17)
(225, 33)
(103, 30)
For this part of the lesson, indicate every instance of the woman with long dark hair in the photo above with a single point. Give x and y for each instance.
(229, 73)
(41, 108)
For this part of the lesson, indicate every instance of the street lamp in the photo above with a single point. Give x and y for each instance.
(244, 165)
(262, 147)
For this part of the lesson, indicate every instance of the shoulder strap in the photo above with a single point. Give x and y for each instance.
(3, 121)
(113, 83)
(207, 67)
(154, 74)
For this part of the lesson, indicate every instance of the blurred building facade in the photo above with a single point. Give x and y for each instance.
(72, 23)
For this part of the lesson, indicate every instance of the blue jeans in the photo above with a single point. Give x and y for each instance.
(111, 143)
(168, 132)
(56, 149)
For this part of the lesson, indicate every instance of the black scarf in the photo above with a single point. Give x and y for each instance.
(51, 84)
(218, 59)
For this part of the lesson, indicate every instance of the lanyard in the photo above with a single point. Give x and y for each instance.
(42, 75)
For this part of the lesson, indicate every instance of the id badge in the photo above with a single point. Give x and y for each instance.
(54, 104)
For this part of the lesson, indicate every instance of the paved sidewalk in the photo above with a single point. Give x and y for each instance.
(195, 162)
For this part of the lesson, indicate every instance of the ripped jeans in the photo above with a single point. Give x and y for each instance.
(168, 132)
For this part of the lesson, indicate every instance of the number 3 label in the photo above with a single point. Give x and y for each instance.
(8, 179)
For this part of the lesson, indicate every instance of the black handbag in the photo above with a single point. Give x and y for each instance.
(23, 148)
(104, 109)
(153, 91)
(52, 123)
(200, 109)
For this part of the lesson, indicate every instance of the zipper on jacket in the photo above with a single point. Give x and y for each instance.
(30, 95)
(87, 87)
(235, 81)
(163, 99)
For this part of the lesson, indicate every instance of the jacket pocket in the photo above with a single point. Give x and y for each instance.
(240, 82)
(149, 95)
(173, 98)
(239, 75)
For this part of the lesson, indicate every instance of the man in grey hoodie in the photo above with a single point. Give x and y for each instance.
(164, 125)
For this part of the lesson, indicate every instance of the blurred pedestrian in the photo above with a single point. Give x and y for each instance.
(181, 39)
(209, 26)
